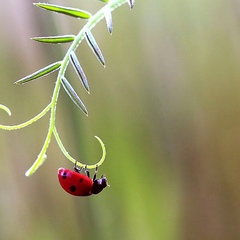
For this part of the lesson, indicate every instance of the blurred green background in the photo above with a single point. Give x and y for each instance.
(167, 107)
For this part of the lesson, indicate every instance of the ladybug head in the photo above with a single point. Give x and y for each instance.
(99, 185)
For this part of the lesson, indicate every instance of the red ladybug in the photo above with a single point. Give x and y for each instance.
(75, 183)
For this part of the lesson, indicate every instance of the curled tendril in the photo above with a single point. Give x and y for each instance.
(6, 109)
(103, 155)
(81, 165)
(24, 124)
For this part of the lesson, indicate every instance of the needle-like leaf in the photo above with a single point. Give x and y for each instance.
(77, 67)
(131, 3)
(73, 95)
(55, 39)
(73, 12)
(95, 48)
(108, 17)
(40, 73)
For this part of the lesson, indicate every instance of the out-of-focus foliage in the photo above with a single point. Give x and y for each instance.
(167, 107)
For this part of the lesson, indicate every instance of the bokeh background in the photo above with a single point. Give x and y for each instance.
(167, 107)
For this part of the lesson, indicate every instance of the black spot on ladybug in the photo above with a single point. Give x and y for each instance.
(64, 175)
(73, 188)
(81, 180)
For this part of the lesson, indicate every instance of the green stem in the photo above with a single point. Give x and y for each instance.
(25, 124)
(61, 146)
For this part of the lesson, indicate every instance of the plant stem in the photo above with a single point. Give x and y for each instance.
(112, 4)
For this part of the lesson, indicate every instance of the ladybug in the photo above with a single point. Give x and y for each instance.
(78, 184)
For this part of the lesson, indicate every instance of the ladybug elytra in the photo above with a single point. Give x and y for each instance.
(78, 184)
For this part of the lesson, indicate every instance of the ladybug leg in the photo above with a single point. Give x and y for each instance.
(87, 172)
(76, 168)
(95, 174)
